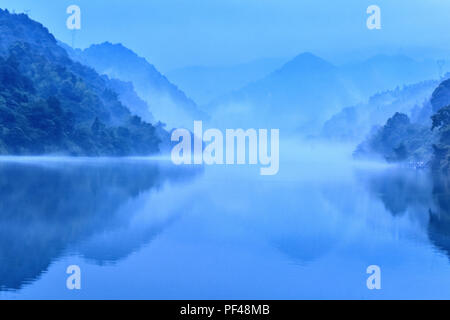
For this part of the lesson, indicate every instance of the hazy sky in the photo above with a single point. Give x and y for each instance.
(175, 33)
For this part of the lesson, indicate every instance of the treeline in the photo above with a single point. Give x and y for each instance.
(50, 104)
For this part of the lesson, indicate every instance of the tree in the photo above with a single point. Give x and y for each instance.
(441, 118)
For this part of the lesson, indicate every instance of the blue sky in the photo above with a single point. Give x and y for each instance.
(177, 33)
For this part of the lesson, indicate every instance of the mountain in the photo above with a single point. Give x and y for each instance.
(441, 123)
(441, 96)
(125, 90)
(204, 84)
(426, 143)
(166, 101)
(129, 98)
(384, 72)
(308, 90)
(399, 140)
(297, 96)
(352, 123)
(50, 104)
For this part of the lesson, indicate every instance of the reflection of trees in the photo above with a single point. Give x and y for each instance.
(439, 227)
(44, 210)
(399, 189)
(424, 191)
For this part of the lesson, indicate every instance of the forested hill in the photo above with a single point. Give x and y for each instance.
(50, 104)
(421, 142)
(169, 104)
(441, 124)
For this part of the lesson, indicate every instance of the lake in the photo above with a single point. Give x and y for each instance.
(146, 229)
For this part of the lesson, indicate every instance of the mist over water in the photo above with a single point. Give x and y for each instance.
(148, 229)
(354, 178)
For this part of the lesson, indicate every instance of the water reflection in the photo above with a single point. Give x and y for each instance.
(420, 193)
(287, 230)
(439, 228)
(49, 209)
(400, 190)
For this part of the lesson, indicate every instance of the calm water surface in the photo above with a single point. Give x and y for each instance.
(147, 229)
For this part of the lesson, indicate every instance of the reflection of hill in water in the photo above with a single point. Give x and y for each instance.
(422, 192)
(399, 189)
(46, 210)
(439, 228)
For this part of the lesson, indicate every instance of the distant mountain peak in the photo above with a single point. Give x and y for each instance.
(309, 57)
(306, 62)
(116, 52)
(169, 104)
(118, 48)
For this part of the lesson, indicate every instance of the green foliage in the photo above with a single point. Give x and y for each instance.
(441, 118)
(50, 104)
(441, 121)
(399, 140)
(441, 96)
(353, 122)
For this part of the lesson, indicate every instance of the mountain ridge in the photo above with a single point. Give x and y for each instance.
(50, 104)
(307, 90)
(167, 102)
